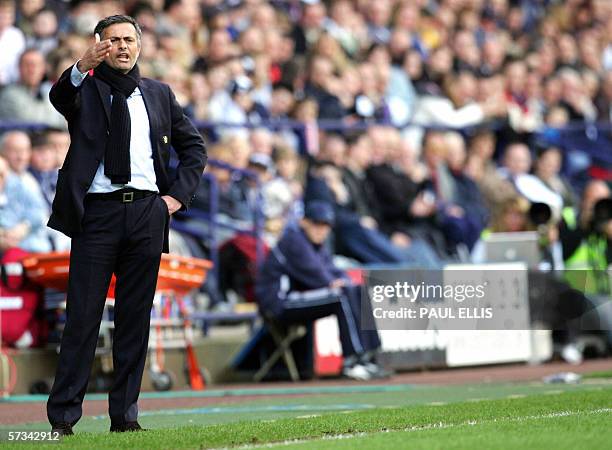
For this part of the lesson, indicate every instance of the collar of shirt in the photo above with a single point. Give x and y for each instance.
(133, 95)
(136, 93)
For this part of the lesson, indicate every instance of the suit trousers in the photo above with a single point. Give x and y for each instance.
(125, 239)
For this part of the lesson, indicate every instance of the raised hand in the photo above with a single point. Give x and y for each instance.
(95, 54)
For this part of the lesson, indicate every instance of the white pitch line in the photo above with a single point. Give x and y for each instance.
(430, 426)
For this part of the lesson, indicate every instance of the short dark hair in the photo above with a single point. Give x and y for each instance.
(39, 140)
(112, 20)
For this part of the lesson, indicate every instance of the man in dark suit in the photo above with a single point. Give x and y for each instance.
(114, 198)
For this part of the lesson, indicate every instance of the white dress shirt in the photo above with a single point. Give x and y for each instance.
(141, 154)
(12, 43)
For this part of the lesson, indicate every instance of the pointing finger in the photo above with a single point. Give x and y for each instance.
(97, 37)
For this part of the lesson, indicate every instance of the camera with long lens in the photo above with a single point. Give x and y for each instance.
(542, 218)
(540, 214)
(602, 214)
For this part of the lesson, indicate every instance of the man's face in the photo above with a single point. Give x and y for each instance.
(32, 69)
(592, 194)
(44, 158)
(549, 164)
(316, 232)
(518, 159)
(17, 150)
(60, 142)
(126, 46)
(244, 100)
(7, 16)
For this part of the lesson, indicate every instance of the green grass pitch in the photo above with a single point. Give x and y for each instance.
(492, 416)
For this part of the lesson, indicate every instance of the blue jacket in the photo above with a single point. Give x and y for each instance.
(19, 204)
(295, 264)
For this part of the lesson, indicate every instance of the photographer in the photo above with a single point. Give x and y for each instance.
(586, 243)
(516, 214)
(546, 223)
(553, 304)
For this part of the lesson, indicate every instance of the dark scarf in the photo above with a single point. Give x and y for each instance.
(117, 154)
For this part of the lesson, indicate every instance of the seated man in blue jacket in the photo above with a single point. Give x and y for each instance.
(298, 282)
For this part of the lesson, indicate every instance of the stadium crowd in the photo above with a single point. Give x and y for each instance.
(424, 123)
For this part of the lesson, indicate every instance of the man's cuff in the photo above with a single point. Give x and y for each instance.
(76, 77)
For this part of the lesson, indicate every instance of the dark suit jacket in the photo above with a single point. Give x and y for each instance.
(87, 110)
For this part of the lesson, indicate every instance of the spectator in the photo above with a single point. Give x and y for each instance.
(358, 159)
(516, 168)
(575, 98)
(233, 203)
(22, 215)
(456, 109)
(401, 95)
(199, 95)
(282, 101)
(16, 148)
(378, 17)
(333, 150)
(321, 85)
(44, 31)
(44, 166)
(346, 26)
(276, 196)
(354, 236)
(12, 43)
(28, 100)
(27, 12)
(289, 168)
(405, 206)
(306, 32)
(482, 168)
(523, 111)
(446, 189)
(261, 141)
(466, 198)
(239, 146)
(59, 140)
(241, 108)
(548, 169)
(370, 102)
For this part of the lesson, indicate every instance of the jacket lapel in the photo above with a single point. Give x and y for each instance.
(150, 104)
(105, 96)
